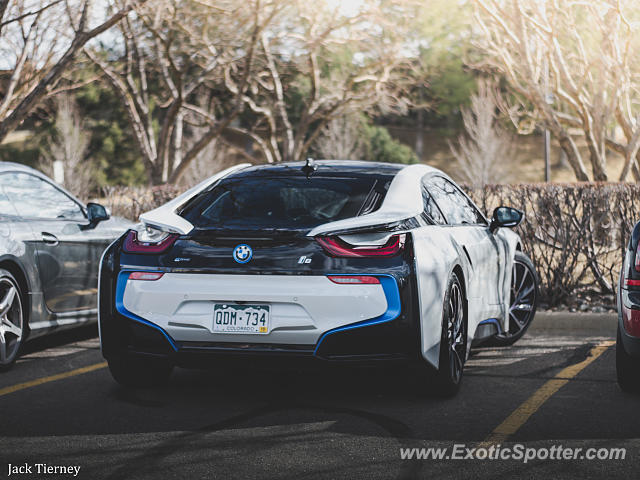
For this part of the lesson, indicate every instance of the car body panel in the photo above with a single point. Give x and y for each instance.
(68, 268)
(302, 307)
(508, 244)
(395, 334)
(17, 248)
(628, 296)
(478, 257)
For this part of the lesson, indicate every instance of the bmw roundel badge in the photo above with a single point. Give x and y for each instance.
(242, 253)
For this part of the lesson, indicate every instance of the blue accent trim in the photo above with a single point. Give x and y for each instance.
(121, 284)
(490, 321)
(394, 307)
(236, 249)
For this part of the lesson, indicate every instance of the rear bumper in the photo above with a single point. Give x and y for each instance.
(302, 308)
(313, 319)
(373, 340)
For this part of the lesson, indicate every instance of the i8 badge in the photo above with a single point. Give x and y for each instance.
(242, 253)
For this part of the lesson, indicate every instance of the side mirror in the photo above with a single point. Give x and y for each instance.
(505, 217)
(96, 214)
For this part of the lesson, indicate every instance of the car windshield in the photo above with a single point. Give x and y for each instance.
(284, 202)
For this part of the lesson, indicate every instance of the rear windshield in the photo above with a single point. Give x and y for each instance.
(284, 202)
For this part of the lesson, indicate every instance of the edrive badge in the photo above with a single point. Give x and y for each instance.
(242, 253)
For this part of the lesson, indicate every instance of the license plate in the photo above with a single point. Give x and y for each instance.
(231, 318)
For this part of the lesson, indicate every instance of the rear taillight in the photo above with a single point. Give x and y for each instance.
(631, 283)
(133, 245)
(354, 279)
(148, 276)
(337, 247)
(631, 320)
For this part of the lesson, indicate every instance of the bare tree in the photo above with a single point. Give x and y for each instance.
(570, 65)
(39, 40)
(69, 146)
(176, 55)
(341, 138)
(206, 163)
(316, 64)
(216, 156)
(485, 146)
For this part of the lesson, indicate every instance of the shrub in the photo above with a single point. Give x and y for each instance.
(130, 202)
(576, 234)
(379, 146)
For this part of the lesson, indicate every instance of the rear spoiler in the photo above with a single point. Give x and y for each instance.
(391, 222)
(402, 202)
(166, 218)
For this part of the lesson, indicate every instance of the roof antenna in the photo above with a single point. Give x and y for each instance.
(309, 167)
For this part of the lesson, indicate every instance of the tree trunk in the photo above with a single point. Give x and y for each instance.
(155, 175)
(597, 164)
(573, 156)
(628, 160)
(636, 171)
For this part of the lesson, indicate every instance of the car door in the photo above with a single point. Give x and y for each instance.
(67, 255)
(471, 231)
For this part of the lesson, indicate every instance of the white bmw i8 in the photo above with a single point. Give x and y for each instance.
(327, 261)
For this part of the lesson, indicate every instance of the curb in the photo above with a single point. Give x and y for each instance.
(578, 322)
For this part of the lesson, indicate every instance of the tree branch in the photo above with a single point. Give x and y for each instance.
(27, 104)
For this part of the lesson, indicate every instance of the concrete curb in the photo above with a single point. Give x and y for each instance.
(578, 322)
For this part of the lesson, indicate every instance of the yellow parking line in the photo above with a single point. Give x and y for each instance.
(521, 414)
(51, 378)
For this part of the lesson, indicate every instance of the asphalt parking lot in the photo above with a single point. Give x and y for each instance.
(556, 387)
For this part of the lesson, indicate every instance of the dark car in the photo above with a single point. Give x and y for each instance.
(50, 249)
(628, 338)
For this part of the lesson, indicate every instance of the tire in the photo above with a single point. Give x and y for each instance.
(446, 380)
(525, 295)
(627, 368)
(12, 320)
(131, 371)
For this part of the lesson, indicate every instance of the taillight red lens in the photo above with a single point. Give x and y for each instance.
(148, 276)
(354, 279)
(337, 247)
(631, 283)
(132, 245)
(631, 320)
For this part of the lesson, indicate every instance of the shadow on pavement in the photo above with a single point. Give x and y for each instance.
(59, 339)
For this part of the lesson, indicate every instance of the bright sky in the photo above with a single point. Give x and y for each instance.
(346, 7)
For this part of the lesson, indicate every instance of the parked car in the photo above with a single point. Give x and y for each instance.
(50, 248)
(628, 337)
(329, 260)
